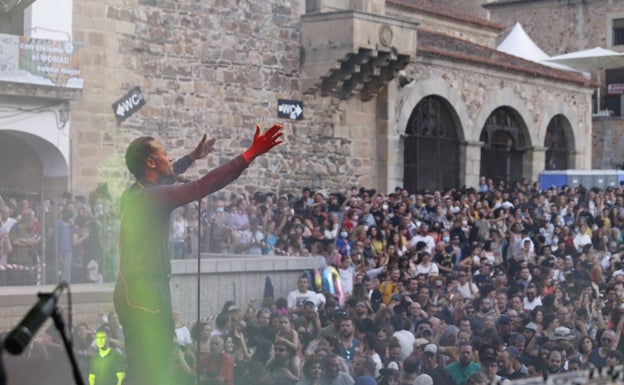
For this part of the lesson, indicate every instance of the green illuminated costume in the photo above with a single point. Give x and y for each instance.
(142, 295)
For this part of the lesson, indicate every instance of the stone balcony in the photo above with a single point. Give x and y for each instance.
(354, 53)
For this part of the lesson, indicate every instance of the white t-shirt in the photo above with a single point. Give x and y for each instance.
(428, 239)
(432, 270)
(537, 301)
(465, 290)
(5, 227)
(296, 299)
(183, 336)
(178, 229)
(248, 237)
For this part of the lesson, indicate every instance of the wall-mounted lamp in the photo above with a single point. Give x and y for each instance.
(63, 115)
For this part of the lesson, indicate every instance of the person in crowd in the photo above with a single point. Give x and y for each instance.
(217, 367)
(349, 344)
(283, 368)
(598, 356)
(539, 294)
(555, 362)
(200, 334)
(460, 370)
(333, 373)
(432, 367)
(287, 335)
(490, 367)
(297, 298)
(25, 244)
(107, 366)
(312, 371)
(362, 370)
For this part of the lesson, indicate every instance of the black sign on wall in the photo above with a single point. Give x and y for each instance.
(128, 104)
(290, 109)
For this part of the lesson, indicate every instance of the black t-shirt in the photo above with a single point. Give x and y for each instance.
(106, 368)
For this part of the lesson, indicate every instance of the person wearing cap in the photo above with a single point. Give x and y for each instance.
(465, 366)
(332, 330)
(432, 368)
(490, 367)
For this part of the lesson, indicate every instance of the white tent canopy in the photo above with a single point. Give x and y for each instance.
(592, 59)
(518, 43)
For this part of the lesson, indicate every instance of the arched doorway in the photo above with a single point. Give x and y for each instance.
(431, 150)
(29, 163)
(557, 144)
(504, 144)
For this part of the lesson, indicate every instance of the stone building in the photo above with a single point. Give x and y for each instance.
(394, 92)
(561, 27)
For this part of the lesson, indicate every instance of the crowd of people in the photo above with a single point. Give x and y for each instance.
(492, 283)
(72, 238)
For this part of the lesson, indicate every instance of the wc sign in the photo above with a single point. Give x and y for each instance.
(128, 104)
(290, 109)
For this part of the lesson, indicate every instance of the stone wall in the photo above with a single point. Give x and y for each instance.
(211, 67)
(475, 93)
(561, 27)
(608, 143)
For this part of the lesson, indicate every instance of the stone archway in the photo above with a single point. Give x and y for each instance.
(504, 146)
(558, 144)
(431, 146)
(29, 163)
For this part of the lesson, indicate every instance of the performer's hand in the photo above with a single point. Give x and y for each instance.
(263, 142)
(203, 148)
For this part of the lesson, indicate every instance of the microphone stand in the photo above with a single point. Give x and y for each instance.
(197, 322)
(60, 326)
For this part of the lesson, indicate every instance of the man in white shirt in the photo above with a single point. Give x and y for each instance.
(422, 234)
(251, 240)
(531, 300)
(6, 222)
(297, 298)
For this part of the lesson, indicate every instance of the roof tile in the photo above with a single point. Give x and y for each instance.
(432, 43)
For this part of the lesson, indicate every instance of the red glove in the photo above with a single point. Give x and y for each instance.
(263, 142)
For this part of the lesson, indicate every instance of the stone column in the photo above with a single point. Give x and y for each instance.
(534, 162)
(470, 152)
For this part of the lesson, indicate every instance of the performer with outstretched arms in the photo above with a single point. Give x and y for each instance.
(142, 296)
